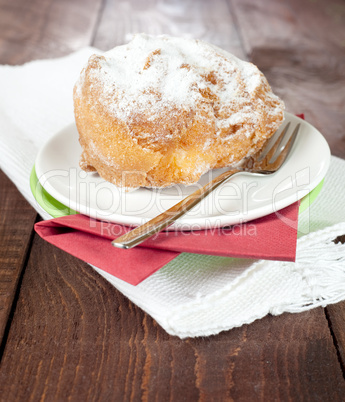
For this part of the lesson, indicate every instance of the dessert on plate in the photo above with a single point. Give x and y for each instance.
(163, 110)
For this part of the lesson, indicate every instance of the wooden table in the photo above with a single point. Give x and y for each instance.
(69, 335)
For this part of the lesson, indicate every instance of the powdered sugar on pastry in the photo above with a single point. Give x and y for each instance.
(183, 105)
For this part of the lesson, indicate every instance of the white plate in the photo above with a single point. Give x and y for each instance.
(243, 198)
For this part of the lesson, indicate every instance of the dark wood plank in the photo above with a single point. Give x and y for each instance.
(203, 19)
(299, 45)
(336, 317)
(74, 336)
(45, 28)
(16, 224)
(277, 358)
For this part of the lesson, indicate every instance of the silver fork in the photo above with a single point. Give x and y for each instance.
(267, 161)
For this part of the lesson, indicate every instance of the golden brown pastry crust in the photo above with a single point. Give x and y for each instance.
(165, 110)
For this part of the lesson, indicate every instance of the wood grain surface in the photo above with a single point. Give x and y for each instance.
(45, 28)
(300, 47)
(73, 336)
(68, 334)
(16, 227)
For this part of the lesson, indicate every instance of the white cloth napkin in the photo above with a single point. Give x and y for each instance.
(194, 295)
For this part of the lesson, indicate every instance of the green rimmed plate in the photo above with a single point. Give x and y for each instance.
(54, 208)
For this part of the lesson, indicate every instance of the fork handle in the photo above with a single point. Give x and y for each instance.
(167, 218)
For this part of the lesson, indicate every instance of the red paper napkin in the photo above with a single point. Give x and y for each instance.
(272, 237)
